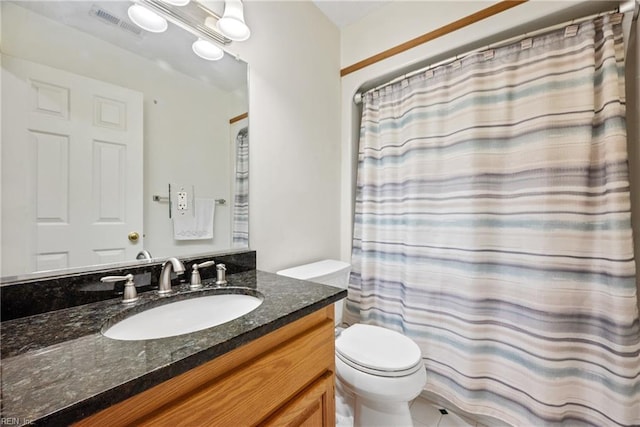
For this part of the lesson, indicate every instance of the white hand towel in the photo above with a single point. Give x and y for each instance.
(198, 226)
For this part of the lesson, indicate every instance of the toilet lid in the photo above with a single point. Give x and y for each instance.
(378, 351)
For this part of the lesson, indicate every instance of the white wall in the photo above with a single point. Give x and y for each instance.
(401, 21)
(186, 129)
(294, 128)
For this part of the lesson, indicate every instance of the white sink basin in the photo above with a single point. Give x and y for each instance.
(182, 317)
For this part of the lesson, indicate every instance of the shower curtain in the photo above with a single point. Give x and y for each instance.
(492, 226)
(240, 230)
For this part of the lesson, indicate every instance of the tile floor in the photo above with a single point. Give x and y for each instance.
(425, 414)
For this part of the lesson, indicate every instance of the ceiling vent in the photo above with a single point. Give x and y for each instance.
(130, 27)
(109, 18)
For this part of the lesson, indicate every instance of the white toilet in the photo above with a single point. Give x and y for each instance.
(378, 371)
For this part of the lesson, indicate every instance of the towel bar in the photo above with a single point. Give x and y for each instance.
(167, 199)
(161, 199)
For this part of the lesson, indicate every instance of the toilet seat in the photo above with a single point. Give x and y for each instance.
(378, 351)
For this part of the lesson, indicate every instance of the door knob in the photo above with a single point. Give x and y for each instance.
(133, 236)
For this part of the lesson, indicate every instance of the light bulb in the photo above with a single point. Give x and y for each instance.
(232, 23)
(207, 50)
(146, 19)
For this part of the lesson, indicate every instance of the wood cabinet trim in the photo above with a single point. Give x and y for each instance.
(432, 35)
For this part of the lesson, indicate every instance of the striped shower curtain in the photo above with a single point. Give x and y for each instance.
(492, 226)
(240, 226)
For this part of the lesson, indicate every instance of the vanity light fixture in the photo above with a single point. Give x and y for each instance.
(147, 19)
(196, 18)
(232, 22)
(207, 50)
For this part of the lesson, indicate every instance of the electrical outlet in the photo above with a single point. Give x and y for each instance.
(182, 201)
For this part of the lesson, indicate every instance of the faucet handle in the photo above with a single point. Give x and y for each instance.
(204, 264)
(130, 293)
(128, 277)
(196, 281)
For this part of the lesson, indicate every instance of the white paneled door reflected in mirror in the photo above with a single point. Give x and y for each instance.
(98, 116)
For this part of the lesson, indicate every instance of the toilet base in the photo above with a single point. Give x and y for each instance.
(383, 414)
(357, 411)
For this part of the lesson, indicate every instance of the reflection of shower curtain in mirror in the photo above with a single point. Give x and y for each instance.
(240, 231)
(492, 226)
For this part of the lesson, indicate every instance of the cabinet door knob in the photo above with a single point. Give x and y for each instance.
(133, 236)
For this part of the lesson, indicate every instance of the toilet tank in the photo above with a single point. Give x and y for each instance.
(328, 272)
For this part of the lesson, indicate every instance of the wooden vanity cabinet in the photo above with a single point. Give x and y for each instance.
(285, 378)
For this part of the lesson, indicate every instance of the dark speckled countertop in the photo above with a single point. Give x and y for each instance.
(57, 367)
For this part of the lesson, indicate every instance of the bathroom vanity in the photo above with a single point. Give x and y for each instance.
(273, 366)
(282, 378)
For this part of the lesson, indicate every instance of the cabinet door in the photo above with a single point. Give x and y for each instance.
(313, 407)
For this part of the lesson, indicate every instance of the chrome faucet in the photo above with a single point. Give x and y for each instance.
(171, 265)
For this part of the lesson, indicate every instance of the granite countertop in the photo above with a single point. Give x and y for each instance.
(57, 367)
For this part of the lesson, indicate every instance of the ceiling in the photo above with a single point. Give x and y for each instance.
(343, 13)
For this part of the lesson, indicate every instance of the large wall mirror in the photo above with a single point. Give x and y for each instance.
(115, 140)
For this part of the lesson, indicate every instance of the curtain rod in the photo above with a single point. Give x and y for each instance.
(628, 6)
